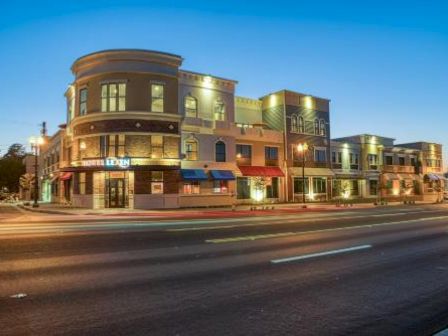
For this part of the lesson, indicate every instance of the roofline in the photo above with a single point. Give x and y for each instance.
(127, 50)
(212, 76)
(296, 92)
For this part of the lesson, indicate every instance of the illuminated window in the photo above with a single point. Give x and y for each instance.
(323, 129)
(156, 146)
(294, 123)
(157, 182)
(113, 97)
(193, 187)
(82, 183)
(191, 107)
(112, 145)
(316, 127)
(157, 97)
(219, 110)
(220, 186)
(301, 125)
(319, 185)
(82, 102)
(220, 152)
(191, 149)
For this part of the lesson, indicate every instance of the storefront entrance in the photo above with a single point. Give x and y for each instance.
(116, 190)
(116, 193)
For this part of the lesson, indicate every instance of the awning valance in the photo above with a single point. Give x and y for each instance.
(223, 175)
(193, 175)
(261, 171)
(297, 171)
(66, 176)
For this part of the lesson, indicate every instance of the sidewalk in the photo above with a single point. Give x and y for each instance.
(194, 213)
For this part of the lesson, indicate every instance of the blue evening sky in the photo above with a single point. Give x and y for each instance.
(383, 64)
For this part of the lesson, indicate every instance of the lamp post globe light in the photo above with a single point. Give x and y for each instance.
(302, 148)
(36, 142)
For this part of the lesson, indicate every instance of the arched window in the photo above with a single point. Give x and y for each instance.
(220, 152)
(301, 125)
(323, 129)
(219, 110)
(191, 149)
(316, 127)
(191, 107)
(293, 123)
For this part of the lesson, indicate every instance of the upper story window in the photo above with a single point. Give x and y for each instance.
(354, 160)
(388, 160)
(156, 146)
(413, 161)
(323, 129)
(112, 145)
(294, 127)
(220, 152)
(219, 110)
(320, 155)
(191, 107)
(301, 124)
(401, 161)
(82, 102)
(191, 149)
(316, 127)
(271, 153)
(113, 97)
(373, 161)
(157, 97)
(244, 151)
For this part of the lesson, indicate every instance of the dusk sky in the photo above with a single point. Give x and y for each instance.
(383, 64)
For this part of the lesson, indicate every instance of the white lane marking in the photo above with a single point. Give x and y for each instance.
(320, 254)
(18, 296)
(296, 220)
(283, 234)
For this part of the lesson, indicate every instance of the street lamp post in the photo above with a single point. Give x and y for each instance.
(35, 145)
(302, 148)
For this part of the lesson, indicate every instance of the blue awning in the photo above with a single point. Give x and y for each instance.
(223, 175)
(193, 175)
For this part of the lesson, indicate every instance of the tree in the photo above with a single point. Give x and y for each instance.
(16, 151)
(12, 167)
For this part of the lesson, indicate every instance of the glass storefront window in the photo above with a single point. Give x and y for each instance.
(298, 185)
(193, 187)
(319, 185)
(220, 186)
(243, 187)
(157, 182)
(272, 188)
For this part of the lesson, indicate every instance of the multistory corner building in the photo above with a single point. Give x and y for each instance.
(122, 139)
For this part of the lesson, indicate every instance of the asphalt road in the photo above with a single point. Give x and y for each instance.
(355, 272)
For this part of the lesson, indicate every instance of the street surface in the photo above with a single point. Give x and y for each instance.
(377, 271)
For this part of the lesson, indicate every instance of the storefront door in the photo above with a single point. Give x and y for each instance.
(116, 193)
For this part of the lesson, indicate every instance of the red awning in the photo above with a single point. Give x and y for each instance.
(261, 171)
(66, 176)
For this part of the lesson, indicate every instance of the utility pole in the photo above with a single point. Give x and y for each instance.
(37, 147)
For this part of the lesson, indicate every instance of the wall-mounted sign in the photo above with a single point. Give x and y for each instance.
(93, 163)
(124, 162)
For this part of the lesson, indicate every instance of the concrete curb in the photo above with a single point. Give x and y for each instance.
(51, 212)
